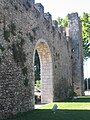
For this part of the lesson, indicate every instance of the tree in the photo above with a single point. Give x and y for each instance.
(59, 20)
(85, 18)
(63, 22)
(37, 66)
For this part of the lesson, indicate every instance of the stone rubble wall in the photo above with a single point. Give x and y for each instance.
(24, 27)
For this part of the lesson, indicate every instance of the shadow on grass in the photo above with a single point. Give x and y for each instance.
(79, 99)
(49, 115)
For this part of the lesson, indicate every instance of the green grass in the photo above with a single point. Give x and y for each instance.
(78, 109)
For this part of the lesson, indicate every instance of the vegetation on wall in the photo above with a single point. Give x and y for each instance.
(17, 47)
(12, 27)
(1, 48)
(1, 51)
(7, 29)
(7, 35)
(20, 58)
(30, 36)
(18, 53)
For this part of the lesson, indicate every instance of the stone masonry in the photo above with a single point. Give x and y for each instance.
(25, 28)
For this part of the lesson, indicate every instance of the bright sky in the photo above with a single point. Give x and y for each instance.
(60, 8)
(87, 69)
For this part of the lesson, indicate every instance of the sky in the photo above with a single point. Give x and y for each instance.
(87, 69)
(60, 8)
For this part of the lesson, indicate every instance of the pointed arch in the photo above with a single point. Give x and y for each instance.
(45, 70)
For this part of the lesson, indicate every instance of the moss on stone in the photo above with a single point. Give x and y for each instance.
(24, 71)
(2, 48)
(16, 7)
(18, 53)
(34, 30)
(20, 58)
(13, 28)
(7, 35)
(6, 32)
(30, 36)
(26, 81)
(0, 60)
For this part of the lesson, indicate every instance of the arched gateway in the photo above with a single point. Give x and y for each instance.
(45, 71)
(24, 28)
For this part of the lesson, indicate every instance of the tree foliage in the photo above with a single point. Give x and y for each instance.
(85, 18)
(63, 22)
(37, 66)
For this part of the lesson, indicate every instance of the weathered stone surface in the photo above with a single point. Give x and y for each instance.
(76, 52)
(23, 29)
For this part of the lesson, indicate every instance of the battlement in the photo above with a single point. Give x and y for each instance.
(73, 16)
(38, 8)
(31, 5)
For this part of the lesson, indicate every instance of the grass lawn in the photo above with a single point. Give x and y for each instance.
(78, 109)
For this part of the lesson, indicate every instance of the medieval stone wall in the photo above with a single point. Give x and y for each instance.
(24, 28)
(76, 52)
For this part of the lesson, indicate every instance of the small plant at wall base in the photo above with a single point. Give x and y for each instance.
(71, 93)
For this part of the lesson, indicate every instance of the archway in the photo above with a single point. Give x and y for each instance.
(45, 71)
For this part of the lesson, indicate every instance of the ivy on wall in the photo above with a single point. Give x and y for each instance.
(7, 29)
(1, 51)
(20, 57)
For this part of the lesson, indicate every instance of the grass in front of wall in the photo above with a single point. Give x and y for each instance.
(78, 109)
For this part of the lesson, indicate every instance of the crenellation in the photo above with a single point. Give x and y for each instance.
(28, 2)
(73, 16)
(40, 8)
(48, 18)
(55, 24)
(76, 52)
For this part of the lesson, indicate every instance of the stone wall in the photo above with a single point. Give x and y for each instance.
(75, 29)
(24, 28)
